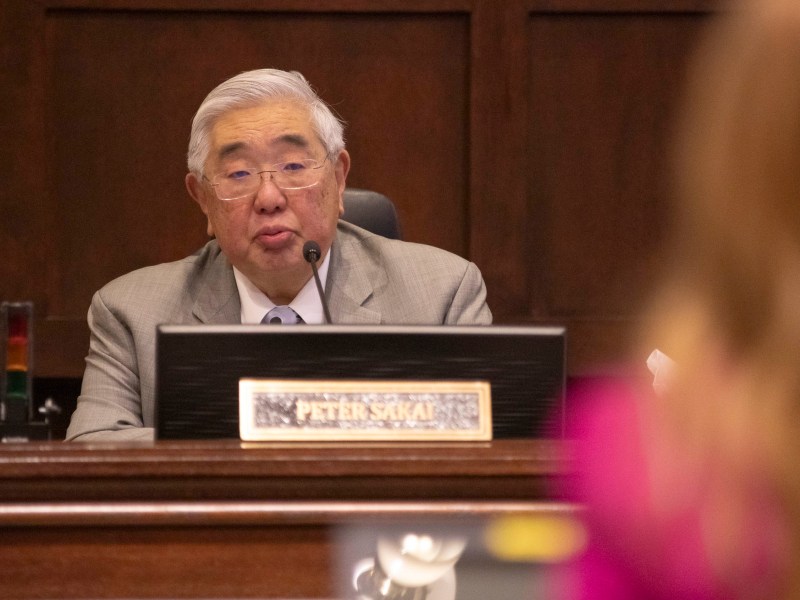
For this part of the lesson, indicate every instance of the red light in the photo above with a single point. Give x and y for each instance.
(18, 325)
(17, 344)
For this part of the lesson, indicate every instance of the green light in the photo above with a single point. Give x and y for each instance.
(17, 383)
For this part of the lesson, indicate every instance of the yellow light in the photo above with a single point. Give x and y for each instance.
(17, 354)
(535, 538)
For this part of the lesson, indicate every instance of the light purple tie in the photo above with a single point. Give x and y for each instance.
(282, 315)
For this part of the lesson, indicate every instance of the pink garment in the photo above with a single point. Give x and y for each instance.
(644, 545)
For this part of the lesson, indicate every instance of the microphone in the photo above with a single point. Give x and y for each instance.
(312, 254)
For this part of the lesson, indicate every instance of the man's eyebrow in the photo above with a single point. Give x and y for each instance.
(231, 148)
(294, 139)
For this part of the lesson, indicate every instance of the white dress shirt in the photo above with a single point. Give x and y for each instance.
(256, 304)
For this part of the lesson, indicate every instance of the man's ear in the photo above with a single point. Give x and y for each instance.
(341, 168)
(199, 194)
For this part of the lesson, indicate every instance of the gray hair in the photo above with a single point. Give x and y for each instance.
(251, 88)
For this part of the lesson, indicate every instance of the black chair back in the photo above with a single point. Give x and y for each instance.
(371, 211)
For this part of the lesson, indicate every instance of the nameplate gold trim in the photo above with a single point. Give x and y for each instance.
(336, 410)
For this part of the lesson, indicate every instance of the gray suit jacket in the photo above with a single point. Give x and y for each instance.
(371, 279)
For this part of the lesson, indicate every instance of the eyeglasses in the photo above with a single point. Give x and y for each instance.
(242, 182)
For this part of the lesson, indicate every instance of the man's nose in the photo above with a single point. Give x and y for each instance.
(269, 197)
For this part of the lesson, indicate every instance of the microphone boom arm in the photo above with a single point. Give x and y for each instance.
(312, 253)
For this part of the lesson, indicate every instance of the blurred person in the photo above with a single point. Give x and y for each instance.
(267, 167)
(694, 492)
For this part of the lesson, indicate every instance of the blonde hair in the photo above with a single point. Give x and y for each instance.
(729, 312)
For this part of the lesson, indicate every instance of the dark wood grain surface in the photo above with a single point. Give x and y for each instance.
(228, 520)
(530, 136)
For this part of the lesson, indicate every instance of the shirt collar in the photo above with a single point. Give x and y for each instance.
(256, 304)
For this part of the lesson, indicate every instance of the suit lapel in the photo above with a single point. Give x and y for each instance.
(352, 279)
(217, 300)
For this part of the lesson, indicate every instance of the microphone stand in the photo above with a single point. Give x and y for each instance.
(312, 253)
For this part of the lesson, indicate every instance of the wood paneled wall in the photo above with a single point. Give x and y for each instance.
(530, 136)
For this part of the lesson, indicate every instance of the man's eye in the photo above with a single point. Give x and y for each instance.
(241, 174)
(292, 167)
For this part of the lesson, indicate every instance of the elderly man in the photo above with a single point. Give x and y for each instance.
(267, 166)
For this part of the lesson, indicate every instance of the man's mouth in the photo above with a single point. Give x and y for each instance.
(274, 237)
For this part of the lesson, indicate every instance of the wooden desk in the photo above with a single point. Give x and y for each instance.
(225, 519)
